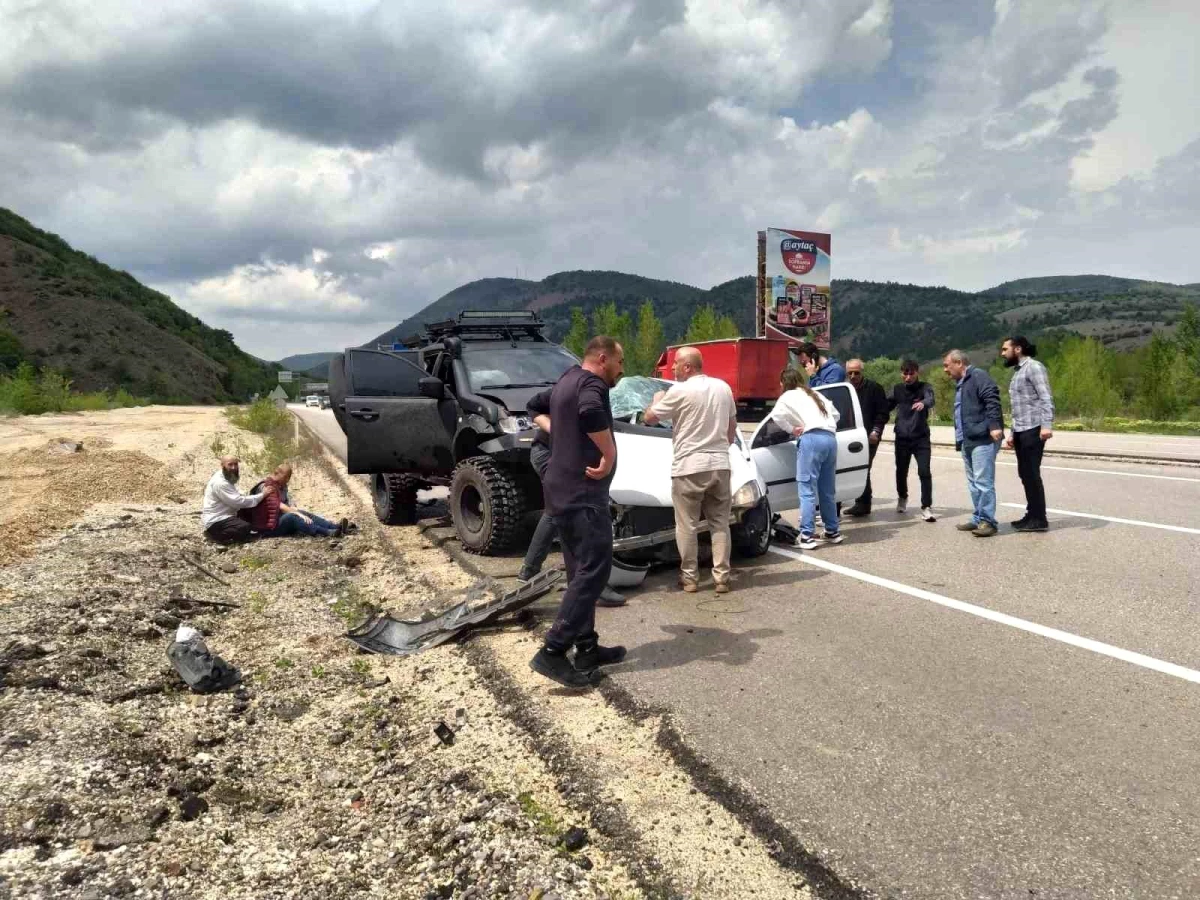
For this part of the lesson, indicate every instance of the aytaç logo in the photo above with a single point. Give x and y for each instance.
(799, 256)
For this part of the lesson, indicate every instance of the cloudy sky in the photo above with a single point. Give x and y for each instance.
(308, 173)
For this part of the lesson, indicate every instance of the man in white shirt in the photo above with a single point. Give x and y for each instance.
(704, 418)
(222, 501)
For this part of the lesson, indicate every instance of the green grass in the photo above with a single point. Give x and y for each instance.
(539, 815)
(30, 393)
(351, 607)
(253, 563)
(283, 663)
(261, 417)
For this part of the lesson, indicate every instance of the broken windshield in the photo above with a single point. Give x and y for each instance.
(633, 394)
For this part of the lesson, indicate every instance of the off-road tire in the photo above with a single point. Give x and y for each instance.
(756, 540)
(395, 498)
(487, 505)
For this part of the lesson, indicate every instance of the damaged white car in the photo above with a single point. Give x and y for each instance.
(762, 474)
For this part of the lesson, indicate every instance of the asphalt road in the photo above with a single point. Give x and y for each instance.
(944, 716)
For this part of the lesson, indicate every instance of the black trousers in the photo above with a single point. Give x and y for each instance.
(906, 449)
(586, 536)
(229, 531)
(865, 499)
(1029, 446)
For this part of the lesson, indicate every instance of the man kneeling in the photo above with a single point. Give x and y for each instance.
(224, 505)
(276, 517)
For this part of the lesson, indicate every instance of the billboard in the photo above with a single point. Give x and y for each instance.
(285, 377)
(794, 275)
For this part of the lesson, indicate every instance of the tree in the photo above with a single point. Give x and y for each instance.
(703, 326)
(1083, 376)
(618, 326)
(649, 343)
(727, 328)
(1162, 382)
(1187, 334)
(577, 337)
(883, 370)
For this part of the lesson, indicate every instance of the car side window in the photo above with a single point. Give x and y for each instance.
(377, 373)
(840, 395)
(770, 435)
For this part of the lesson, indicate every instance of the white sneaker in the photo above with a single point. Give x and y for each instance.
(902, 505)
(835, 538)
(805, 543)
(927, 514)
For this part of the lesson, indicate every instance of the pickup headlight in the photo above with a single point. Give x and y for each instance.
(747, 495)
(513, 424)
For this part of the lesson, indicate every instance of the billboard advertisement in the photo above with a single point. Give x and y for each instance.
(795, 286)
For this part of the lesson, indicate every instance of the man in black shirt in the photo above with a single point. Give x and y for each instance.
(583, 460)
(873, 403)
(913, 400)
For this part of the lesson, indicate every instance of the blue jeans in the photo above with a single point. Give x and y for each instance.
(979, 461)
(291, 523)
(816, 479)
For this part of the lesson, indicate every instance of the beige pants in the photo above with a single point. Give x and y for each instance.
(706, 496)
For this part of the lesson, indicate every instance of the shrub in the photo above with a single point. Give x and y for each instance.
(261, 417)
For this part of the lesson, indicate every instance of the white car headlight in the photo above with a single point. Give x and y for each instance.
(513, 424)
(747, 495)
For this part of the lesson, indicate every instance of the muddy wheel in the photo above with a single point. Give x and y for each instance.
(487, 505)
(395, 498)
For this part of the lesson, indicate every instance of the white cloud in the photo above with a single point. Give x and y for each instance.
(328, 191)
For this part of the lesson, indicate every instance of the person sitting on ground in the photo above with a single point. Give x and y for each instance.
(223, 502)
(276, 517)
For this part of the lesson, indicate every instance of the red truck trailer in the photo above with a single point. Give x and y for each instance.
(750, 366)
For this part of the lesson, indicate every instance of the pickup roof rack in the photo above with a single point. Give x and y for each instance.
(500, 325)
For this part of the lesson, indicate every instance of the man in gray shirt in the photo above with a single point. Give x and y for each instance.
(1032, 425)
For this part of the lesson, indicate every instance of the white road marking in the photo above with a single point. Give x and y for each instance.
(1054, 634)
(958, 460)
(1079, 515)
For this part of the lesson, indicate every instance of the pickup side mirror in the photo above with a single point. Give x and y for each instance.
(433, 388)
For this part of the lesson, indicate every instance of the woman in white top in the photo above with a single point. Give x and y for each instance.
(813, 419)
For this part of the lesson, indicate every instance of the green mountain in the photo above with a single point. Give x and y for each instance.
(105, 330)
(869, 318)
(305, 362)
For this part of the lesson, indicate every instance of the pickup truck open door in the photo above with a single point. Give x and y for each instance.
(396, 417)
(774, 452)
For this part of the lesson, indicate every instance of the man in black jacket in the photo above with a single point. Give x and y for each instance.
(978, 430)
(875, 412)
(913, 400)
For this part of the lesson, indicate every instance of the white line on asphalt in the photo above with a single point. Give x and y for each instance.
(1074, 469)
(1079, 515)
(1054, 634)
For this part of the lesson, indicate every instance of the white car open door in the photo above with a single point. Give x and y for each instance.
(853, 455)
(774, 453)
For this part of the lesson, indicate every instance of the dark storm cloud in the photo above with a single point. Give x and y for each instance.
(366, 81)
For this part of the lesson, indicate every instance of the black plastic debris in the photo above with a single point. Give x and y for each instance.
(203, 671)
(783, 532)
(574, 838)
(444, 733)
(396, 637)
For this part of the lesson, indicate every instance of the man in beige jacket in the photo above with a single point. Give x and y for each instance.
(704, 417)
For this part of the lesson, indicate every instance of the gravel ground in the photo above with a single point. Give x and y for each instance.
(320, 776)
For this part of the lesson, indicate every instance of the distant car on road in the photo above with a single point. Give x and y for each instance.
(312, 400)
(324, 402)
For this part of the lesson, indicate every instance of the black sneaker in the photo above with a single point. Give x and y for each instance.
(832, 537)
(1026, 525)
(1021, 522)
(343, 528)
(858, 510)
(590, 655)
(610, 598)
(558, 668)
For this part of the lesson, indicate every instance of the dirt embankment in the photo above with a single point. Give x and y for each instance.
(321, 776)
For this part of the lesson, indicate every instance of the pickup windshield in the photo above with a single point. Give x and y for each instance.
(520, 366)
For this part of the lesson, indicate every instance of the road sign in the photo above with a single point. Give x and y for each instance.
(285, 377)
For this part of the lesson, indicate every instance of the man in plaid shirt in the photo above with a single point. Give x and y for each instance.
(1032, 426)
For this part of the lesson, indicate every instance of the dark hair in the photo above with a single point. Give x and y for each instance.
(809, 349)
(909, 365)
(1022, 343)
(600, 344)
